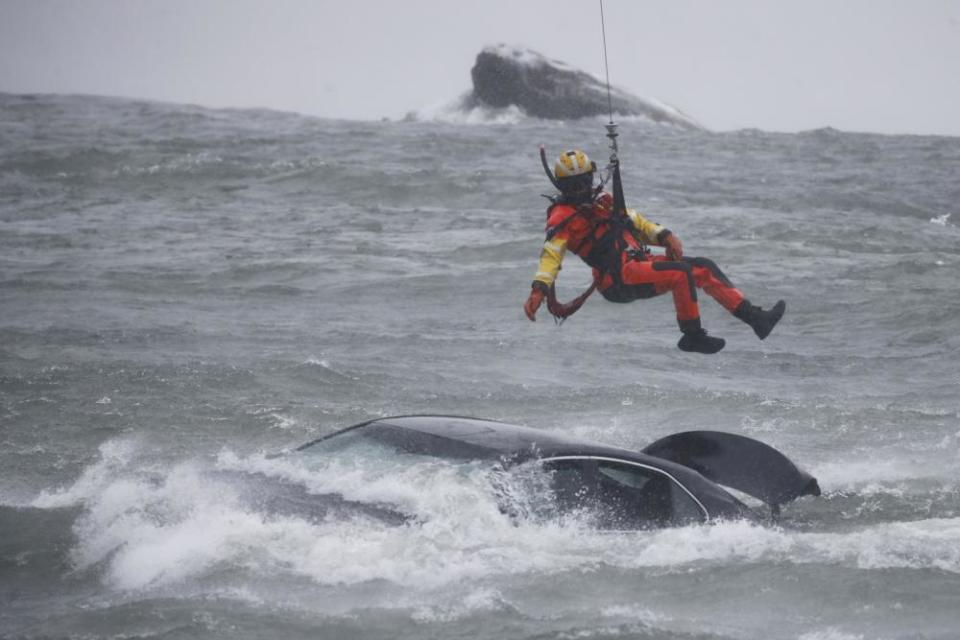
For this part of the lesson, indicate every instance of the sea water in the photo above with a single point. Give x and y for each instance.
(185, 292)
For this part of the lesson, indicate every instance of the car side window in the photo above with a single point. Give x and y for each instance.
(620, 495)
(573, 484)
(644, 497)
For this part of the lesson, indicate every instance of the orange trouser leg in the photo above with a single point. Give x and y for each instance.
(707, 276)
(648, 278)
(658, 275)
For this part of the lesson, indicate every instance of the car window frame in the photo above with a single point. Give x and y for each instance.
(706, 513)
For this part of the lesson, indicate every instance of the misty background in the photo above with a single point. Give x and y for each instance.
(860, 65)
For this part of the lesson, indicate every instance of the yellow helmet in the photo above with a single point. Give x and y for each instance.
(573, 163)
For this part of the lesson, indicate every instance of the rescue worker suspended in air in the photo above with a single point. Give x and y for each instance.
(584, 220)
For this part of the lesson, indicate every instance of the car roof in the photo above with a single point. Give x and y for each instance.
(509, 441)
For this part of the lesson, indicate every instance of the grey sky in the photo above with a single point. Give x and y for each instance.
(862, 65)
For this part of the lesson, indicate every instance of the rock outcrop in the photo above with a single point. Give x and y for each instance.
(544, 88)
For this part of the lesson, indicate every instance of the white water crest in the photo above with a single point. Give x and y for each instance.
(178, 525)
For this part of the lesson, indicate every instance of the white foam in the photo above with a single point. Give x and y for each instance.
(152, 530)
(476, 601)
(635, 613)
(188, 163)
(283, 422)
(460, 111)
(830, 633)
(922, 544)
(155, 534)
(468, 489)
(114, 456)
(874, 475)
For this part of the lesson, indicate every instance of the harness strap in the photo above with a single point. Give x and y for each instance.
(604, 256)
(561, 311)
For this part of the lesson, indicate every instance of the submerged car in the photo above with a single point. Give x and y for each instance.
(680, 479)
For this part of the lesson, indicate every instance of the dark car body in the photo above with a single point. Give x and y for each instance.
(675, 481)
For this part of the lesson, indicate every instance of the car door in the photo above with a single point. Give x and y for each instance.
(619, 494)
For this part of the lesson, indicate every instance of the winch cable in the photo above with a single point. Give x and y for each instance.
(619, 201)
(559, 310)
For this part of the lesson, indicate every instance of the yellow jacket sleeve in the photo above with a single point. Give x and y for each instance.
(650, 232)
(550, 258)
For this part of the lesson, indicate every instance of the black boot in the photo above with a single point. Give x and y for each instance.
(696, 340)
(762, 322)
(700, 342)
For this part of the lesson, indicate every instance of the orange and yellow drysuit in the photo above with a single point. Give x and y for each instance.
(615, 247)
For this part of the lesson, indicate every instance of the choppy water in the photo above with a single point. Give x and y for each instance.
(184, 290)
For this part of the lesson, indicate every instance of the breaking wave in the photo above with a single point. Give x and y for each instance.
(164, 526)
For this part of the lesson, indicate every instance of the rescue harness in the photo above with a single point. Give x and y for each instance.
(606, 251)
